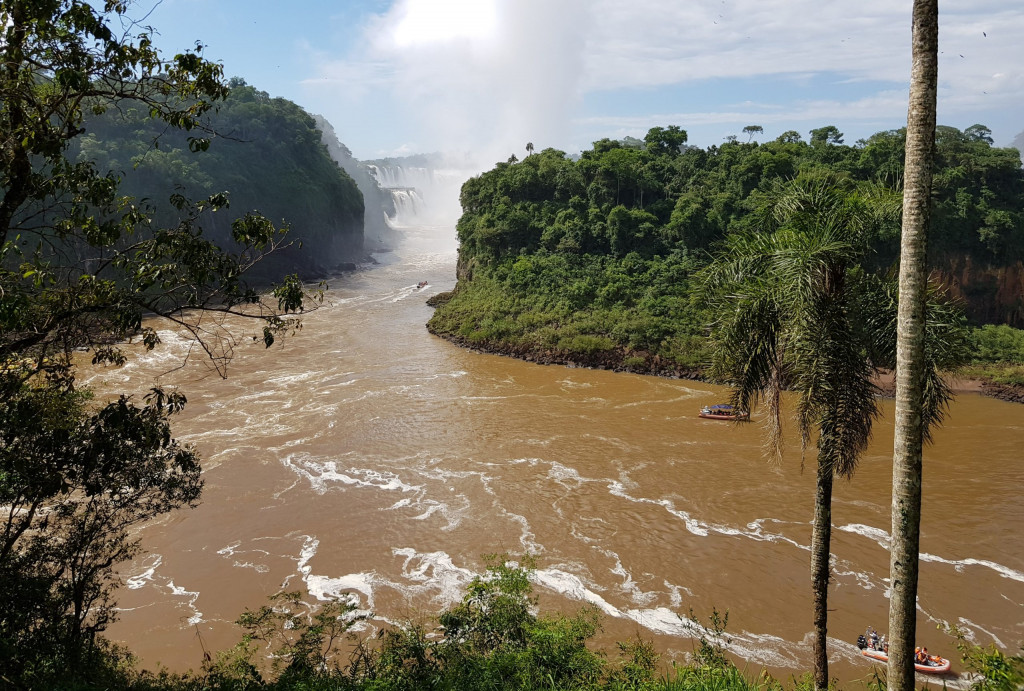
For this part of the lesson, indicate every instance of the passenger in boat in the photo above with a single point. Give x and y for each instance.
(874, 640)
(927, 658)
(920, 656)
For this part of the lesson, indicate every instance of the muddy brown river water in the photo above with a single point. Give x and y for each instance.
(365, 456)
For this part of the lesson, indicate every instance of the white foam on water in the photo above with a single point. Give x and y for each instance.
(230, 549)
(148, 577)
(432, 571)
(233, 550)
(282, 492)
(252, 427)
(971, 627)
(569, 478)
(324, 409)
(882, 538)
(258, 568)
(301, 441)
(527, 538)
(407, 291)
(1004, 571)
(324, 475)
(242, 401)
(193, 596)
(453, 518)
(660, 619)
(443, 375)
(765, 649)
(574, 531)
(332, 588)
(864, 580)
(150, 566)
(294, 378)
(326, 588)
(572, 586)
(676, 593)
(628, 585)
(569, 384)
(617, 489)
(755, 531)
(877, 534)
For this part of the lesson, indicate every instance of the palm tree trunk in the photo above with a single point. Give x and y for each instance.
(821, 538)
(907, 467)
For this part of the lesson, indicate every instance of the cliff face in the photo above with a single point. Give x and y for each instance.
(379, 203)
(990, 293)
(265, 152)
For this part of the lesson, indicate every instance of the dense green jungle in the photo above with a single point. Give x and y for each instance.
(591, 261)
(265, 153)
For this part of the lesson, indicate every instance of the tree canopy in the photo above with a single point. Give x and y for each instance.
(589, 260)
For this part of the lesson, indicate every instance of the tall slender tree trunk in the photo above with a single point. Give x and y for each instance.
(821, 538)
(907, 467)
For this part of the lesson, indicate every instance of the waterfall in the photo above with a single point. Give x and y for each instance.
(421, 194)
(408, 204)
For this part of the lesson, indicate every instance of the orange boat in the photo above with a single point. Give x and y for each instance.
(936, 664)
(723, 411)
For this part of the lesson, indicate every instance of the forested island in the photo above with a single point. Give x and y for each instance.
(590, 261)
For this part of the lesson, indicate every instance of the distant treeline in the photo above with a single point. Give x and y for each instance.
(266, 153)
(589, 260)
(660, 196)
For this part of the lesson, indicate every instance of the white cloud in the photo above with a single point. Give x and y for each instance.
(519, 70)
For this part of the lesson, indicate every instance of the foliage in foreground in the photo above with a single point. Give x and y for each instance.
(989, 669)
(82, 264)
(493, 639)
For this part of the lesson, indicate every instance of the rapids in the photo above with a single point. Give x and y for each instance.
(365, 456)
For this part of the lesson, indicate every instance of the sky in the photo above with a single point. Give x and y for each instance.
(481, 78)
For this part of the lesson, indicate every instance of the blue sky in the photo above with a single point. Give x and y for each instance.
(483, 77)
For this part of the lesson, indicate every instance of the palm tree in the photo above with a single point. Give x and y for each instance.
(797, 312)
(910, 363)
(529, 148)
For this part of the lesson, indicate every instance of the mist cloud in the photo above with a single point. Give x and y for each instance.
(518, 82)
(527, 76)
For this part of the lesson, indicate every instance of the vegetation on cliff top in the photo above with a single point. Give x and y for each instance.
(589, 261)
(266, 153)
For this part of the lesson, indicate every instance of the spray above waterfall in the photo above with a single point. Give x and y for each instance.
(482, 77)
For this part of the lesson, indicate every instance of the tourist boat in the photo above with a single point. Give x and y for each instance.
(937, 665)
(723, 411)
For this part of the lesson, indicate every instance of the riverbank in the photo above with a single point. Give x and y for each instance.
(642, 362)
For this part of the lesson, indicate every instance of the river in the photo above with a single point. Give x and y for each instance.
(364, 455)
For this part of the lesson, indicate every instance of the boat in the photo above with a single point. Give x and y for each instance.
(723, 411)
(935, 665)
